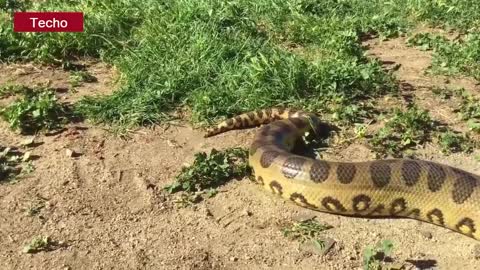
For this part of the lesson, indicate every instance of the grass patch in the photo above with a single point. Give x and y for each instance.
(223, 58)
(210, 171)
(404, 130)
(469, 108)
(443, 93)
(8, 90)
(451, 142)
(460, 56)
(36, 110)
(426, 41)
(81, 76)
(374, 257)
(307, 230)
(108, 27)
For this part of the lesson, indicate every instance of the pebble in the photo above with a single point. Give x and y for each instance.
(69, 152)
(426, 234)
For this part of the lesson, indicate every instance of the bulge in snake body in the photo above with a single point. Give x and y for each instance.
(422, 190)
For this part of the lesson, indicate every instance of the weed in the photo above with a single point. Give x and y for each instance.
(35, 207)
(469, 109)
(12, 89)
(474, 126)
(426, 41)
(210, 171)
(108, 28)
(221, 59)
(403, 130)
(307, 230)
(38, 244)
(443, 93)
(373, 257)
(451, 142)
(458, 57)
(79, 77)
(36, 110)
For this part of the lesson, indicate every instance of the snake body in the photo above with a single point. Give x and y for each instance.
(422, 190)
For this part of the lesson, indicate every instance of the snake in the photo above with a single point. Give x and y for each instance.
(385, 188)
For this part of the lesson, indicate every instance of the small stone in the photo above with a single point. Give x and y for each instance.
(426, 234)
(233, 259)
(69, 152)
(248, 213)
(208, 213)
(28, 141)
(303, 217)
(26, 156)
(322, 248)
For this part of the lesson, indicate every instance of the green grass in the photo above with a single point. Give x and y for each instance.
(426, 41)
(457, 57)
(468, 107)
(451, 142)
(222, 58)
(37, 109)
(8, 90)
(210, 171)
(79, 77)
(403, 130)
(306, 230)
(373, 257)
(108, 27)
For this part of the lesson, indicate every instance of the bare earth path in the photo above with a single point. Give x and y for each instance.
(107, 208)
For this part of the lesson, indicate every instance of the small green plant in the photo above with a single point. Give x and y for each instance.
(469, 109)
(405, 129)
(426, 41)
(35, 208)
(79, 77)
(209, 171)
(38, 244)
(451, 142)
(36, 110)
(307, 230)
(12, 89)
(443, 93)
(374, 257)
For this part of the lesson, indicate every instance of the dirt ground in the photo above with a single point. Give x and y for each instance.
(106, 208)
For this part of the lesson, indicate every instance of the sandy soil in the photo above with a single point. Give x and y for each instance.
(106, 208)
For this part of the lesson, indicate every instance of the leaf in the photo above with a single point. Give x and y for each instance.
(387, 247)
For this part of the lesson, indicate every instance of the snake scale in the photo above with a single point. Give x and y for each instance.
(422, 190)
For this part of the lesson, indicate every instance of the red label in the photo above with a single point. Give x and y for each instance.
(48, 22)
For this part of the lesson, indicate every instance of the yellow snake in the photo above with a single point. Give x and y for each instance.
(422, 190)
